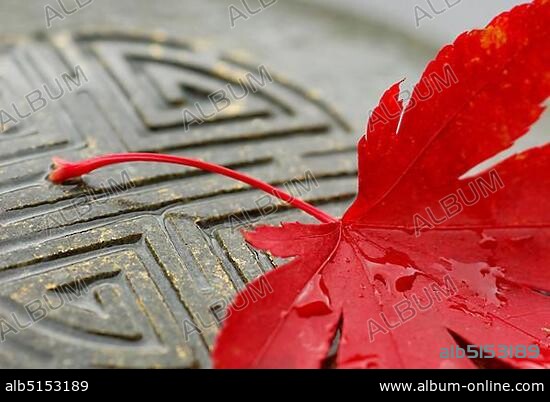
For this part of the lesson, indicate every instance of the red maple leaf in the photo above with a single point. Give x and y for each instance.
(427, 257)
(396, 294)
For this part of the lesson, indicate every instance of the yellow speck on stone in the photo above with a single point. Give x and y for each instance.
(156, 51)
(182, 352)
(225, 71)
(314, 94)
(241, 55)
(61, 40)
(233, 109)
(201, 44)
(92, 142)
(159, 36)
(221, 69)
(493, 36)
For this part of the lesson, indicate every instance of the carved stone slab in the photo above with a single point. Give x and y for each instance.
(132, 267)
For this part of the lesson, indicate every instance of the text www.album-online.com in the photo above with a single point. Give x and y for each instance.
(489, 386)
